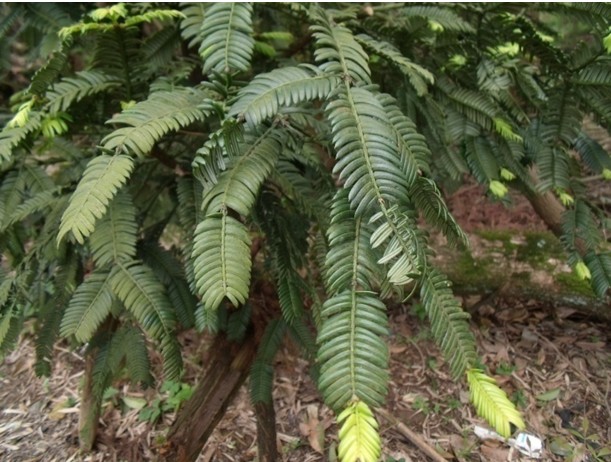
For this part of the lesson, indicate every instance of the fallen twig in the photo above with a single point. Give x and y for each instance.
(580, 374)
(414, 438)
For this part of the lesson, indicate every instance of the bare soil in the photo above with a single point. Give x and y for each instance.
(551, 360)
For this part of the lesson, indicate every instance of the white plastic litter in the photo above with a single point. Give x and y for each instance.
(527, 443)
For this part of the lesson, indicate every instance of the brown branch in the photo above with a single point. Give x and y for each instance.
(162, 157)
(226, 372)
(299, 45)
(266, 432)
(551, 210)
(413, 438)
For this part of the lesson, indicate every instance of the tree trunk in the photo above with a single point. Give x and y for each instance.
(266, 432)
(227, 371)
(89, 411)
(550, 209)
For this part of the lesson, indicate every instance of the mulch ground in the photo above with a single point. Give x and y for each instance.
(554, 363)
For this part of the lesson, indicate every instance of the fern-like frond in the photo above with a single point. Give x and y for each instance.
(238, 321)
(447, 161)
(159, 49)
(350, 263)
(404, 250)
(286, 234)
(9, 18)
(11, 137)
(352, 355)
(478, 108)
(288, 284)
(594, 14)
(102, 179)
(117, 52)
(222, 261)
(207, 320)
(47, 75)
(366, 149)
(189, 194)
(238, 186)
(153, 16)
(337, 51)
(150, 120)
(116, 18)
(529, 86)
(301, 334)
(413, 149)
(52, 313)
(449, 323)
(562, 119)
(359, 440)
(36, 179)
(50, 320)
(599, 265)
(288, 86)
(492, 403)
(593, 154)
(170, 272)
(144, 296)
(137, 360)
(115, 234)
(191, 25)
(8, 312)
(492, 78)
(70, 90)
(48, 17)
(599, 103)
(227, 43)
(418, 76)
(128, 346)
(309, 190)
(35, 204)
(262, 371)
(89, 306)
(49, 229)
(481, 159)
(595, 74)
(447, 18)
(212, 158)
(579, 223)
(11, 323)
(427, 199)
(102, 372)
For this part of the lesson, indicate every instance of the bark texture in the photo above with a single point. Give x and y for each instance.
(266, 432)
(228, 367)
(227, 371)
(89, 411)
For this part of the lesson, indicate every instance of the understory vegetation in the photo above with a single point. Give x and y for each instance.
(162, 166)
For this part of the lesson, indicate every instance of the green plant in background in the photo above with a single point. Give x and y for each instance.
(176, 394)
(505, 369)
(589, 445)
(155, 152)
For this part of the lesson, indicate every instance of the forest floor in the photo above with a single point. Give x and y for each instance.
(553, 361)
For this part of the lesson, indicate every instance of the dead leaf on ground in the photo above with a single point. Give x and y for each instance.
(494, 452)
(313, 429)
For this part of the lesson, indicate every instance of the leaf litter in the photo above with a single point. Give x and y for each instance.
(553, 362)
(557, 372)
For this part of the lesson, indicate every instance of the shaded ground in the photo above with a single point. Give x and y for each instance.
(551, 360)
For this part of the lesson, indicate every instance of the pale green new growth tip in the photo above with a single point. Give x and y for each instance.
(359, 439)
(492, 403)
